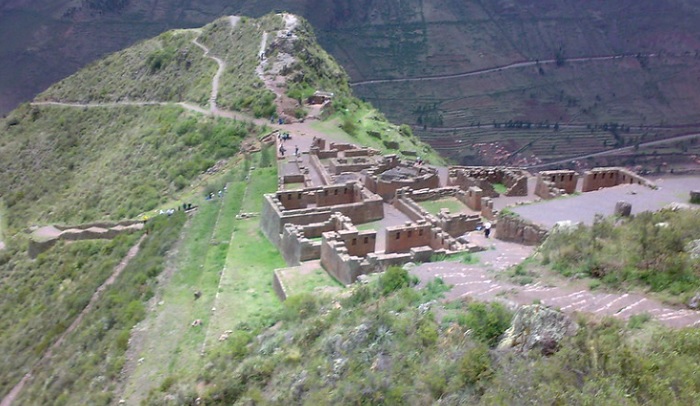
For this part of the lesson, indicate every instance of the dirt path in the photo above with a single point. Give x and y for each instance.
(484, 281)
(17, 389)
(514, 65)
(215, 81)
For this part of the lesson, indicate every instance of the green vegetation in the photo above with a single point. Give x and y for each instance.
(71, 165)
(46, 295)
(168, 68)
(298, 281)
(380, 346)
(355, 121)
(450, 203)
(93, 355)
(241, 88)
(231, 264)
(648, 250)
(500, 188)
(319, 70)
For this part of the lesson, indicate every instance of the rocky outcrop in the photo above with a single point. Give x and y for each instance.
(623, 209)
(539, 328)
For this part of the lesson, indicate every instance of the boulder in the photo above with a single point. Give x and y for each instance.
(623, 209)
(694, 302)
(693, 249)
(537, 327)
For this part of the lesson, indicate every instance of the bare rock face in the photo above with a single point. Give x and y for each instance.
(537, 327)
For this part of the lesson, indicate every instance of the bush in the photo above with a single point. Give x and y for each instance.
(300, 306)
(487, 321)
(393, 279)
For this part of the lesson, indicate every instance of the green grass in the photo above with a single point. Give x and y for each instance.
(451, 203)
(298, 281)
(201, 257)
(94, 353)
(231, 264)
(167, 68)
(500, 188)
(354, 120)
(374, 225)
(72, 165)
(46, 295)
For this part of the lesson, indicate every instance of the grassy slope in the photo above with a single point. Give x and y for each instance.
(231, 263)
(41, 298)
(167, 68)
(87, 367)
(75, 165)
(377, 347)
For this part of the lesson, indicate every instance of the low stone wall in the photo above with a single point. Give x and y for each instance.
(453, 224)
(516, 229)
(599, 178)
(514, 179)
(89, 231)
(315, 162)
(386, 187)
(278, 285)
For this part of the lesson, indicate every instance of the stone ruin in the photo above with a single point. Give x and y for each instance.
(599, 178)
(385, 182)
(551, 184)
(319, 222)
(514, 179)
(46, 237)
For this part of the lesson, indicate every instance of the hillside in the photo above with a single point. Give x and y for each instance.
(153, 127)
(501, 75)
(386, 343)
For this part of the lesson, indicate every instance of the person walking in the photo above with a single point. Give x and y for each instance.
(487, 229)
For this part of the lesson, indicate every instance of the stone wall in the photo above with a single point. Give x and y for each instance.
(487, 210)
(275, 216)
(514, 179)
(695, 196)
(453, 224)
(386, 185)
(516, 229)
(339, 165)
(599, 178)
(551, 184)
(404, 238)
(336, 260)
(278, 286)
(316, 165)
(473, 198)
(89, 231)
(457, 224)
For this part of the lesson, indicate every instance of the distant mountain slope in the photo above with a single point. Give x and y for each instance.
(654, 85)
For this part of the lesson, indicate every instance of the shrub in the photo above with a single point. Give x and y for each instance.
(487, 321)
(393, 279)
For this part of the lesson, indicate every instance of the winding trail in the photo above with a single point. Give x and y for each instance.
(46, 357)
(514, 65)
(215, 81)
